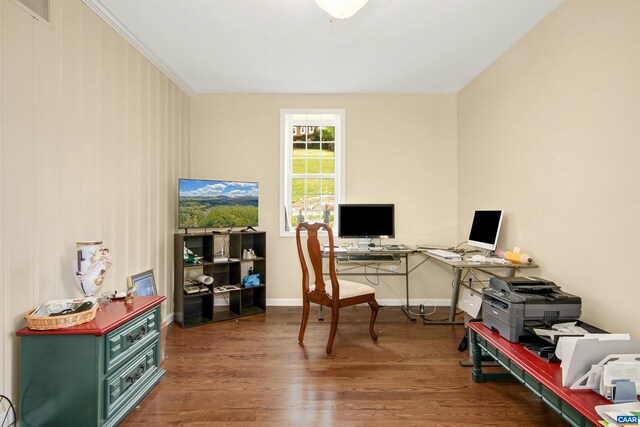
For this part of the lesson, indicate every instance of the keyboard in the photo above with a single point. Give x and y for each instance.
(444, 254)
(370, 258)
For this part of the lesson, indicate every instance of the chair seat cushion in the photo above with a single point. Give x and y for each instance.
(350, 289)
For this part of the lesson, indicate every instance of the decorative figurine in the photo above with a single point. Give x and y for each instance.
(190, 257)
(90, 265)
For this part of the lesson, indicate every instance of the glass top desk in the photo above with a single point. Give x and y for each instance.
(507, 269)
(350, 268)
(351, 261)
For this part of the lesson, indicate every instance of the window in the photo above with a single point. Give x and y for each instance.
(312, 167)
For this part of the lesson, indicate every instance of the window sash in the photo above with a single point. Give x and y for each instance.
(288, 122)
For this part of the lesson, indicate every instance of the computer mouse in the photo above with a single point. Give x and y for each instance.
(372, 245)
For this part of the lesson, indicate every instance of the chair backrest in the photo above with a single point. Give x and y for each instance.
(315, 257)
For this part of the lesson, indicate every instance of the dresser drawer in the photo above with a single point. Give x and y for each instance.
(123, 342)
(129, 379)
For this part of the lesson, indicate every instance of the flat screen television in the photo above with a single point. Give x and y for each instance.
(366, 221)
(217, 204)
(485, 229)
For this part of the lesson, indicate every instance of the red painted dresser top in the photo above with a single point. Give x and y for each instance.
(108, 317)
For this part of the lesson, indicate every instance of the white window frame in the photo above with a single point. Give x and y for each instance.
(286, 159)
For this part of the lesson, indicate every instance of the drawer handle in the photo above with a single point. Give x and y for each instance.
(133, 378)
(143, 332)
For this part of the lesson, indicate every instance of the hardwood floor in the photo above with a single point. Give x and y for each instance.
(253, 372)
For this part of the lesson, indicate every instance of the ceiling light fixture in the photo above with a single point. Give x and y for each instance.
(341, 9)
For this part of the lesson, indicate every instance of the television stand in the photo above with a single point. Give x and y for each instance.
(220, 254)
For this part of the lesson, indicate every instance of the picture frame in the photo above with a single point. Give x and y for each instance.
(142, 284)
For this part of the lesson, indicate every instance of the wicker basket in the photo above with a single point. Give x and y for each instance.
(64, 321)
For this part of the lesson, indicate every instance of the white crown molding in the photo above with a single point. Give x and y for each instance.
(105, 13)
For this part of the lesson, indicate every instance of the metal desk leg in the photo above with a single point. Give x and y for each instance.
(405, 308)
(321, 313)
(454, 295)
(454, 303)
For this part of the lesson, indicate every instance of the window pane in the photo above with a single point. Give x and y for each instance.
(299, 134)
(314, 149)
(313, 205)
(297, 188)
(329, 133)
(313, 165)
(299, 165)
(328, 149)
(314, 216)
(299, 149)
(313, 186)
(328, 186)
(313, 133)
(328, 166)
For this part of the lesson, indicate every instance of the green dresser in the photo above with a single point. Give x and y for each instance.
(92, 374)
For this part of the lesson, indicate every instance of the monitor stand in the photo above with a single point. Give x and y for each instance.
(364, 243)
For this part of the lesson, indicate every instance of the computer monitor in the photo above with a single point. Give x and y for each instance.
(485, 229)
(366, 221)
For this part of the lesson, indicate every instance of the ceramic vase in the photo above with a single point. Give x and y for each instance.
(90, 265)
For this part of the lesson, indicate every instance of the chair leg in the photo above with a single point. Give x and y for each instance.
(374, 313)
(335, 314)
(303, 322)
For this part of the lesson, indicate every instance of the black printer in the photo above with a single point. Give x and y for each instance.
(510, 301)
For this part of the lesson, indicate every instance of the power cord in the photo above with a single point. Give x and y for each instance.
(224, 245)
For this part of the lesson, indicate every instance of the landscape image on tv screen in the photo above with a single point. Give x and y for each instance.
(215, 204)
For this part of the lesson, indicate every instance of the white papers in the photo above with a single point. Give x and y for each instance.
(470, 302)
(326, 248)
(560, 329)
(58, 305)
(580, 353)
(569, 328)
(620, 370)
(566, 345)
(227, 288)
(613, 367)
(609, 412)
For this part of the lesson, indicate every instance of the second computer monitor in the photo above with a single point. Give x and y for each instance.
(366, 221)
(485, 229)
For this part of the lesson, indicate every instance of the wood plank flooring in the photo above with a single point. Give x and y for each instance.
(253, 372)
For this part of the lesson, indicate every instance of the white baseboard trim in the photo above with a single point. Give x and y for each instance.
(297, 302)
(393, 302)
(169, 318)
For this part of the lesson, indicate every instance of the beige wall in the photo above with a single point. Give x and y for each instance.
(94, 139)
(550, 133)
(399, 149)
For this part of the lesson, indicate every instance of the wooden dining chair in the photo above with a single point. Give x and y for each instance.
(340, 294)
